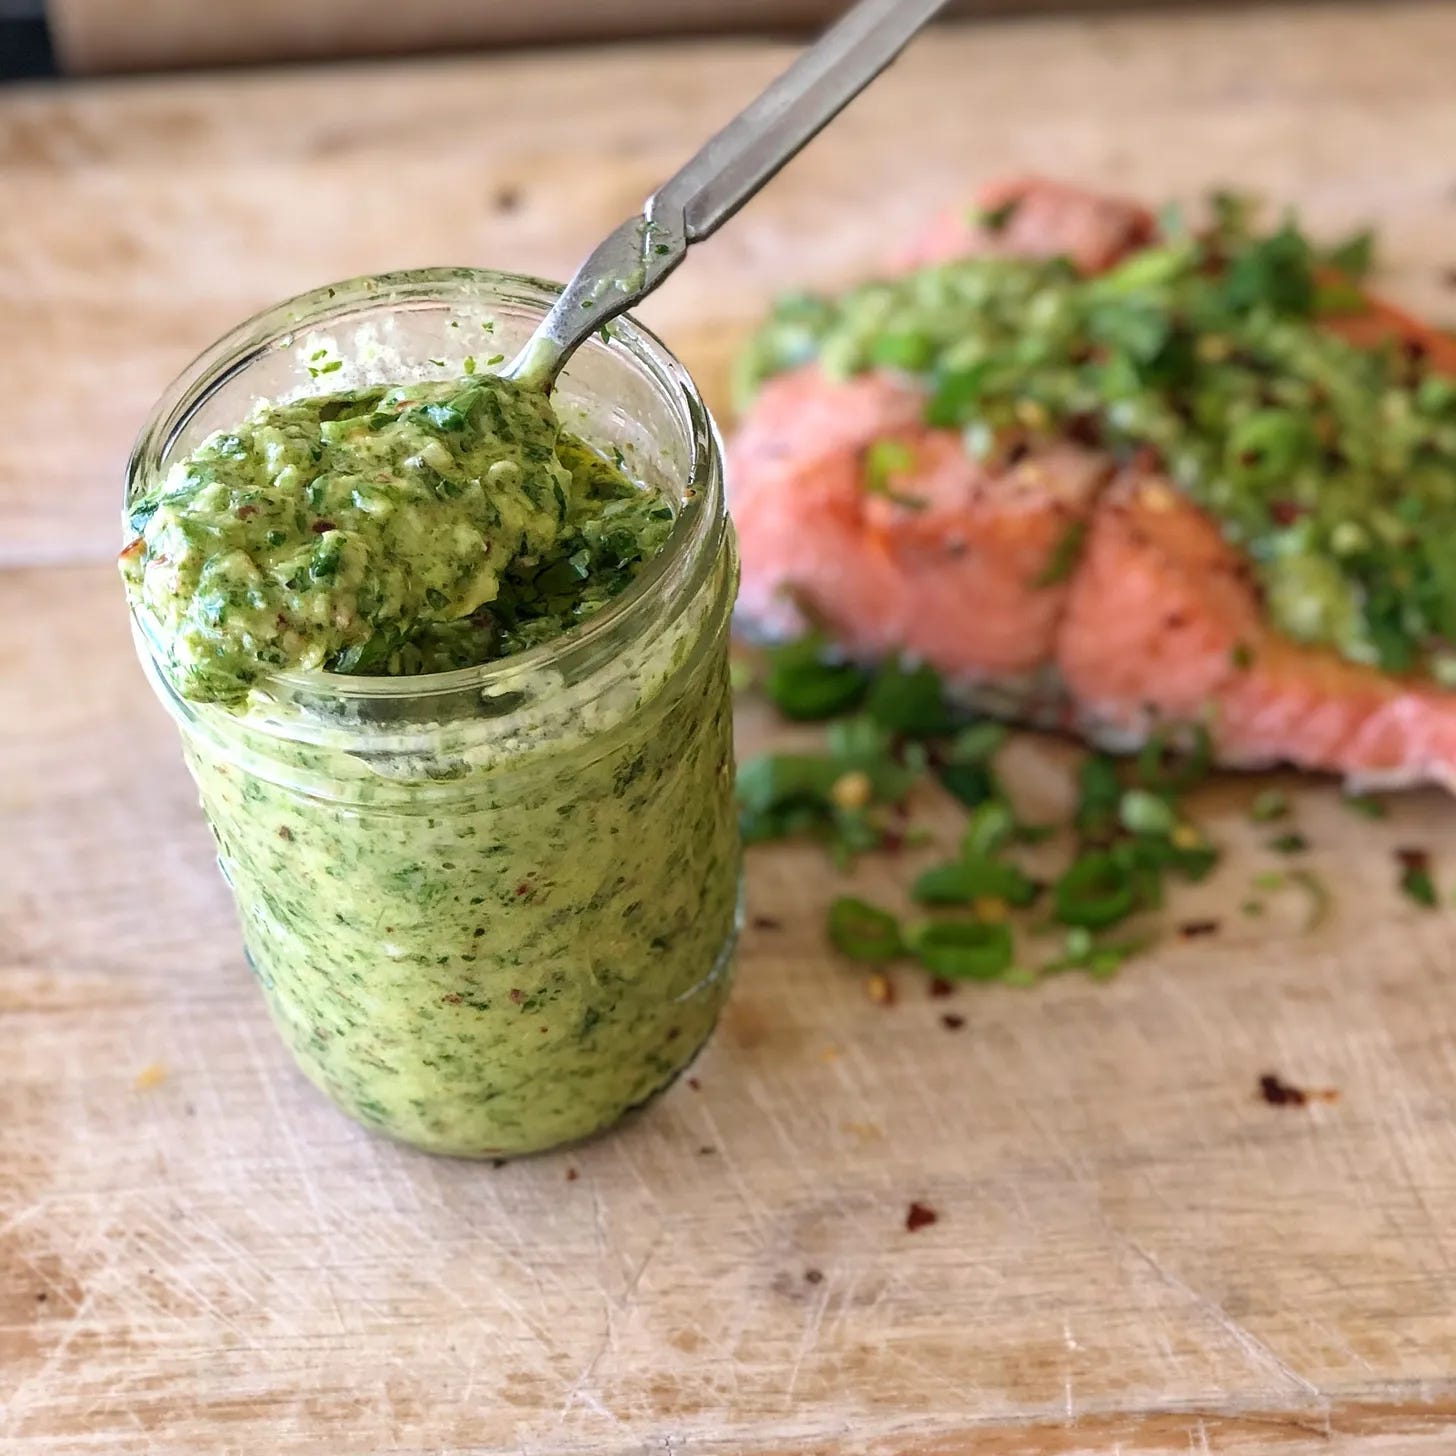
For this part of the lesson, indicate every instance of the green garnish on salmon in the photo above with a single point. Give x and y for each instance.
(1332, 466)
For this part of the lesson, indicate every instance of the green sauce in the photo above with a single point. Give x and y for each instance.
(1333, 467)
(484, 925)
(416, 528)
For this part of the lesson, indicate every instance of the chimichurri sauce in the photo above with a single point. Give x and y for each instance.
(504, 940)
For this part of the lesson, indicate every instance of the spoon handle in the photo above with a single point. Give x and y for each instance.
(637, 255)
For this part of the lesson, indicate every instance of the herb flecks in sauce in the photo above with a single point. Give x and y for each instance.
(1333, 466)
(504, 938)
(394, 529)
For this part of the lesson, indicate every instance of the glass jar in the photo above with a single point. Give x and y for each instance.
(491, 909)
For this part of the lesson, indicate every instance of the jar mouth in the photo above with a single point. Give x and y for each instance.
(691, 546)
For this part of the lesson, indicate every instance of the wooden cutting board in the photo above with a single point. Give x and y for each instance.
(1133, 1251)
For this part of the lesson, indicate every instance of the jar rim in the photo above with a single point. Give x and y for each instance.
(694, 541)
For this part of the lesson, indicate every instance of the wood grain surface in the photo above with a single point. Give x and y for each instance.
(1133, 1253)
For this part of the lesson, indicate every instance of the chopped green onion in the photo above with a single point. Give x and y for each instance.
(1269, 804)
(1161, 766)
(991, 825)
(909, 700)
(963, 881)
(806, 681)
(1099, 795)
(1364, 805)
(1064, 556)
(1143, 812)
(966, 950)
(1096, 891)
(864, 932)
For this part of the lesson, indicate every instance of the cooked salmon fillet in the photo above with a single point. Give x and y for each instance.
(1143, 616)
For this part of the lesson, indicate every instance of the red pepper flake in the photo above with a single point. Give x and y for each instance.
(132, 548)
(694, 1084)
(1412, 858)
(517, 995)
(1192, 929)
(1286, 512)
(1279, 1093)
(285, 833)
(525, 888)
(952, 1022)
(247, 512)
(919, 1216)
(572, 1175)
(767, 922)
(811, 1276)
(673, 1032)
(939, 986)
(320, 527)
(452, 998)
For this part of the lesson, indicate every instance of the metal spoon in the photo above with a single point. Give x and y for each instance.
(635, 257)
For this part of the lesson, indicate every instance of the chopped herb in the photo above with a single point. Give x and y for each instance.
(1064, 556)
(997, 219)
(1166, 767)
(1099, 796)
(909, 699)
(864, 932)
(1095, 892)
(963, 950)
(1269, 804)
(1242, 656)
(808, 680)
(989, 828)
(1355, 255)
(883, 459)
(1365, 805)
(1317, 894)
(1415, 877)
(964, 881)
(1082, 952)
(1291, 843)
(972, 783)
(1143, 812)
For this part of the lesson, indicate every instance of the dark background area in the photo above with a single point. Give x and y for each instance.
(80, 37)
(25, 43)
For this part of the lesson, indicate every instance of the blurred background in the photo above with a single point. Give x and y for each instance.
(39, 37)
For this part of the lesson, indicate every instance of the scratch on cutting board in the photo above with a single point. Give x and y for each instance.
(580, 1394)
(808, 1337)
(1245, 1339)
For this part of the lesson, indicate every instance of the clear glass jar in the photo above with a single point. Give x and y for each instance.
(492, 909)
